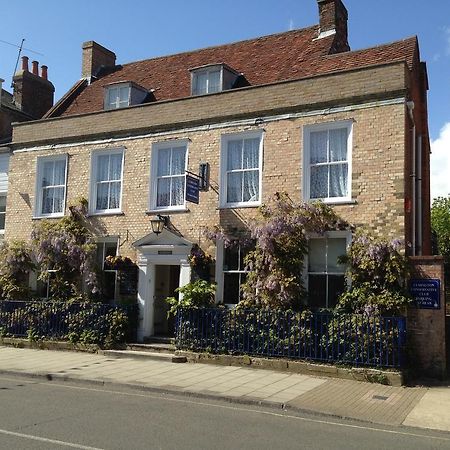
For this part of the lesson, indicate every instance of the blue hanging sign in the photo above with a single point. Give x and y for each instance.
(426, 293)
(192, 189)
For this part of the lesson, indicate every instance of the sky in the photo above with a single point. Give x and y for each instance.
(54, 31)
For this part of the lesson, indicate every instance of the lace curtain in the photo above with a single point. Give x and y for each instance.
(109, 181)
(243, 170)
(171, 169)
(53, 186)
(328, 163)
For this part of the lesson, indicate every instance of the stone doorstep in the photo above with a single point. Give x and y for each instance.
(160, 356)
(390, 378)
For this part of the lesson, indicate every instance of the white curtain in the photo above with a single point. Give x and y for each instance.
(243, 182)
(214, 81)
(338, 180)
(163, 162)
(318, 147)
(163, 192)
(319, 182)
(115, 167)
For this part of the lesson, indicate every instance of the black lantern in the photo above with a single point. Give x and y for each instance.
(158, 223)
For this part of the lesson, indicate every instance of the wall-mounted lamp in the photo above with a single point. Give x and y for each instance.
(158, 223)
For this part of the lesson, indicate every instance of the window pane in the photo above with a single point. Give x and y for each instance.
(115, 167)
(2, 221)
(214, 81)
(114, 195)
(2, 203)
(318, 147)
(47, 173)
(251, 186)
(231, 288)
(102, 196)
(124, 93)
(336, 247)
(234, 155)
(177, 191)
(317, 291)
(163, 192)
(178, 161)
(58, 200)
(112, 97)
(59, 173)
(163, 162)
(102, 167)
(317, 255)
(338, 180)
(200, 85)
(234, 187)
(336, 286)
(251, 154)
(319, 182)
(231, 258)
(47, 201)
(338, 144)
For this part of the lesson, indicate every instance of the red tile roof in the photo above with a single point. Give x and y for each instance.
(285, 56)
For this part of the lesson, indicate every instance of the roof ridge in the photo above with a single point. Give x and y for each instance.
(380, 46)
(229, 44)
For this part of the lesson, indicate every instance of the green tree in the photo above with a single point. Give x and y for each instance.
(440, 225)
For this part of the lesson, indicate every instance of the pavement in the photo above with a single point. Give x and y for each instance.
(422, 407)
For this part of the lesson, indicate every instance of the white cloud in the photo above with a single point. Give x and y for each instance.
(440, 164)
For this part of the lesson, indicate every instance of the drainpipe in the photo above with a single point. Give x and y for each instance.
(410, 106)
(419, 195)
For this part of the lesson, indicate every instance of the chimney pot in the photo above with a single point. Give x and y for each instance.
(35, 69)
(25, 63)
(44, 73)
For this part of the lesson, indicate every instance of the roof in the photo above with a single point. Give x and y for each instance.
(269, 59)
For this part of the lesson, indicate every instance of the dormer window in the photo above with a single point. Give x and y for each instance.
(121, 95)
(212, 78)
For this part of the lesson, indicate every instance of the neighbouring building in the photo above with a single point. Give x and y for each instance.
(32, 97)
(296, 111)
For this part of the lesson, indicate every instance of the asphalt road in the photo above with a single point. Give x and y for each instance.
(39, 414)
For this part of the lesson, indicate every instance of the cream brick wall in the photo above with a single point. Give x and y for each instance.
(378, 156)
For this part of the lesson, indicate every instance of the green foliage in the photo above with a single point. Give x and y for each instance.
(79, 323)
(198, 294)
(440, 223)
(65, 247)
(378, 272)
(275, 278)
(15, 265)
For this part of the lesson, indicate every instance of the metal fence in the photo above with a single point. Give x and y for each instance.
(359, 340)
(56, 320)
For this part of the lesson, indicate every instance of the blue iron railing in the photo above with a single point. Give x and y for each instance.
(359, 340)
(56, 320)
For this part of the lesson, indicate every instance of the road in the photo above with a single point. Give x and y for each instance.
(39, 414)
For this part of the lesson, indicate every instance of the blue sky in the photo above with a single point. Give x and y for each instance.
(140, 29)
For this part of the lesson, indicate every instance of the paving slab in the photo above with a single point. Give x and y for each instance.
(433, 410)
(362, 401)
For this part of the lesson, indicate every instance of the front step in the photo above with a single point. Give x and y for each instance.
(159, 340)
(160, 356)
(154, 347)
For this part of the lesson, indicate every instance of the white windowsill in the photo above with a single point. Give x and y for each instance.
(49, 216)
(167, 211)
(106, 213)
(240, 205)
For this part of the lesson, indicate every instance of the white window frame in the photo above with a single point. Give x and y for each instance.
(307, 130)
(207, 70)
(156, 147)
(93, 181)
(225, 138)
(220, 274)
(39, 190)
(3, 194)
(328, 235)
(117, 105)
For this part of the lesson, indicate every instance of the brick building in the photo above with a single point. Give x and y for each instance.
(296, 112)
(32, 97)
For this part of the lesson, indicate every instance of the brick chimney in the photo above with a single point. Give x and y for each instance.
(33, 94)
(333, 20)
(95, 57)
